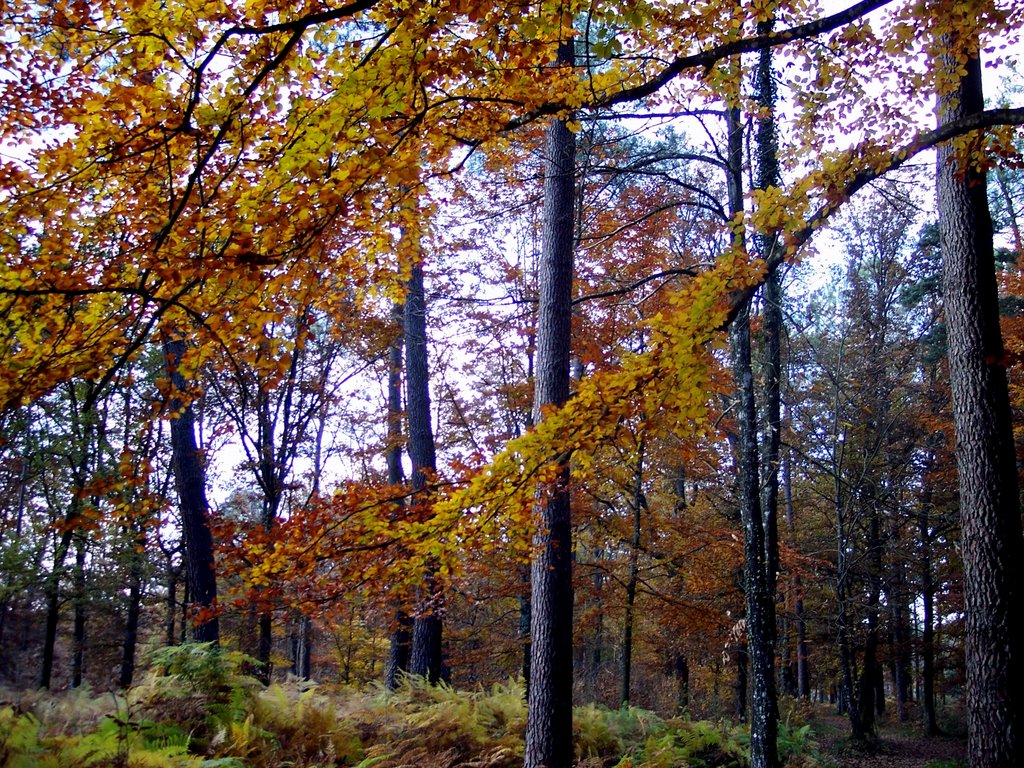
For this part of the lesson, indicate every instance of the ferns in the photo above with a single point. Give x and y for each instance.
(197, 710)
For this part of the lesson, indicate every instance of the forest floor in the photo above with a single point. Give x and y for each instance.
(900, 745)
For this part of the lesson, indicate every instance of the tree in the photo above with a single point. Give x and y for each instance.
(190, 481)
(549, 723)
(993, 543)
(426, 654)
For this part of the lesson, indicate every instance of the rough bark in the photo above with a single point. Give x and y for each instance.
(758, 538)
(190, 480)
(992, 545)
(549, 718)
(426, 655)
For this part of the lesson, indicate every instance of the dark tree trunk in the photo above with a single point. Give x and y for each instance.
(400, 647)
(305, 665)
(399, 650)
(170, 620)
(739, 658)
(525, 600)
(848, 700)
(190, 479)
(681, 672)
(992, 545)
(271, 482)
(931, 725)
(524, 627)
(549, 717)
(132, 615)
(901, 655)
(426, 657)
(758, 583)
(803, 671)
(51, 590)
(78, 632)
(871, 671)
(634, 573)
(264, 647)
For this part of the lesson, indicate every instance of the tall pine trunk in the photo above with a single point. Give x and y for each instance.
(549, 717)
(993, 550)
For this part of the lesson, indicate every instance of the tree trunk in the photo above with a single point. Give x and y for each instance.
(78, 632)
(681, 672)
(549, 716)
(51, 590)
(170, 620)
(758, 560)
(803, 671)
(525, 600)
(426, 657)
(190, 479)
(993, 550)
(931, 725)
(634, 572)
(269, 474)
(400, 646)
(133, 613)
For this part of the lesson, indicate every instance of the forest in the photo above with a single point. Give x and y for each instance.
(584, 383)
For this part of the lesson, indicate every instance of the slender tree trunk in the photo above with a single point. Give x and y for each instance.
(78, 632)
(305, 670)
(992, 545)
(400, 647)
(133, 613)
(51, 591)
(270, 482)
(525, 598)
(549, 717)
(931, 725)
(871, 669)
(426, 657)
(634, 572)
(170, 620)
(190, 479)
(758, 583)
(681, 672)
(803, 671)
(897, 599)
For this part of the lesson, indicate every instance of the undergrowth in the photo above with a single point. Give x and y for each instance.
(196, 709)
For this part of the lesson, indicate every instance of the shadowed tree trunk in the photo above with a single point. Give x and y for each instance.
(426, 656)
(759, 538)
(400, 646)
(993, 550)
(190, 480)
(931, 725)
(634, 572)
(134, 610)
(549, 715)
(78, 632)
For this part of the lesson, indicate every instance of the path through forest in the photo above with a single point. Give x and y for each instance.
(901, 746)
